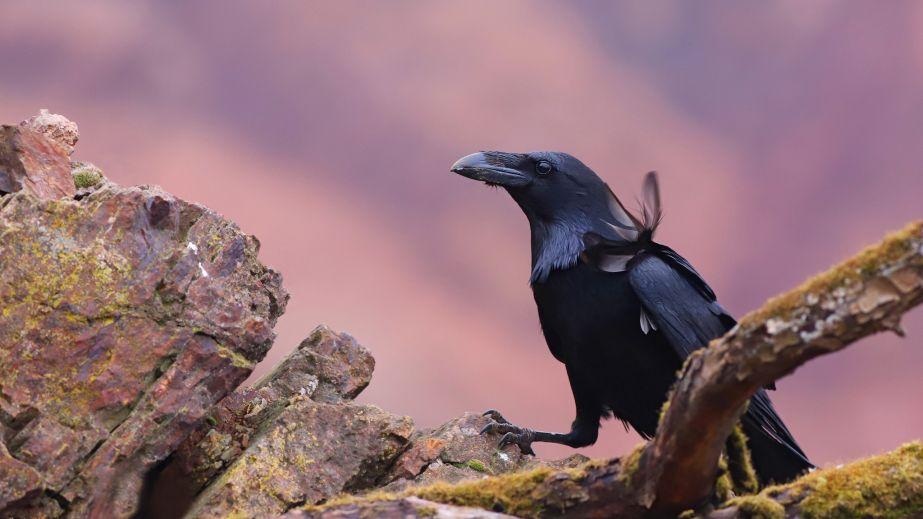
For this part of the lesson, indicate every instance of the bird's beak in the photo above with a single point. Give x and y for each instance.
(479, 167)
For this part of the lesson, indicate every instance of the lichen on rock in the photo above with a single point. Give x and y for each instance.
(113, 346)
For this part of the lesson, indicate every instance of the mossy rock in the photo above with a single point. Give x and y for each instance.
(86, 175)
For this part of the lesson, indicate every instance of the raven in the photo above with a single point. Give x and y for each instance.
(619, 310)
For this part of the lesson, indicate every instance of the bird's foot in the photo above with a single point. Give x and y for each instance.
(495, 415)
(512, 434)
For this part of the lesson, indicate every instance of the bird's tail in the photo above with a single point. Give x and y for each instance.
(776, 456)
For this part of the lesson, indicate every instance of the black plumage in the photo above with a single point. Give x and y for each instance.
(620, 310)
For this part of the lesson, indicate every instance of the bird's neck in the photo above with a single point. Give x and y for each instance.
(556, 245)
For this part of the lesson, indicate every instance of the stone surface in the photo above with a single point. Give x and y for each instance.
(327, 367)
(30, 162)
(126, 315)
(306, 452)
(18, 481)
(456, 451)
(292, 438)
(55, 127)
(405, 508)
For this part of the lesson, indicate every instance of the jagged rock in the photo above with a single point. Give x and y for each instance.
(326, 367)
(453, 451)
(292, 438)
(30, 162)
(126, 315)
(20, 481)
(306, 452)
(404, 508)
(456, 451)
(55, 127)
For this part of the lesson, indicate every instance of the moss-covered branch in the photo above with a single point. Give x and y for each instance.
(677, 470)
(863, 295)
(886, 486)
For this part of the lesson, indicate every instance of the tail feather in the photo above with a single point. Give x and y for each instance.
(776, 456)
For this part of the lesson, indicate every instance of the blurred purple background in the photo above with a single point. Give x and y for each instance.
(787, 134)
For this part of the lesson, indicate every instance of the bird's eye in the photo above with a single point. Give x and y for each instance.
(543, 167)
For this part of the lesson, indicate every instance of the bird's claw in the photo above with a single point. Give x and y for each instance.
(495, 415)
(523, 439)
(512, 434)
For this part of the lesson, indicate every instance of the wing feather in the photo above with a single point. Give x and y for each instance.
(676, 306)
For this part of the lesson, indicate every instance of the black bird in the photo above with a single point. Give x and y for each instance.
(620, 310)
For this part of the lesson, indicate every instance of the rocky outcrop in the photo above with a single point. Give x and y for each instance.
(327, 367)
(32, 163)
(126, 315)
(56, 128)
(294, 437)
(309, 452)
(132, 318)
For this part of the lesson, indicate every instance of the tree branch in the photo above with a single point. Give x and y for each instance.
(864, 295)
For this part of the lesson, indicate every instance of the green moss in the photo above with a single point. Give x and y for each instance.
(86, 175)
(630, 463)
(758, 507)
(724, 487)
(739, 463)
(427, 511)
(887, 486)
(516, 493)
(861, 266)
(476, 465)
(666, 404)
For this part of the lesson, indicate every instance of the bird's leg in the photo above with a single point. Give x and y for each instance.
(583, 432)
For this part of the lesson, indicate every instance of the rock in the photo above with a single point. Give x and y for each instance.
(55, 127)
(30, 162)
(456, 451)
(306, 452)
(126, 315)
(327, 366)
(453, 452)
(21, 482)
(404, 508)
(292, 438)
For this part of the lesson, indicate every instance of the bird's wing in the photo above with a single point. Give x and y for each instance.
(672, 291)
(678, 301)
(683, 307)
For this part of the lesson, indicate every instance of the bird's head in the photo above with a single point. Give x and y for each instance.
(547, 185)
(569, 208)
(554, 187)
